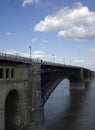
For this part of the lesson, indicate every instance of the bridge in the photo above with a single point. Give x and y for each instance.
(25, 86)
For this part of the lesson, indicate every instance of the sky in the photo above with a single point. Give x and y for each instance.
(62, 31)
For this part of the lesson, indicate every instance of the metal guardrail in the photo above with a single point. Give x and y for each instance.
(17, 58)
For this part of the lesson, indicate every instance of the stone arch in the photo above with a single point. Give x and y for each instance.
(11, 110)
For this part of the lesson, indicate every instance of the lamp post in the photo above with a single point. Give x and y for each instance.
(30, 51)
(64, 61)
(53, 58)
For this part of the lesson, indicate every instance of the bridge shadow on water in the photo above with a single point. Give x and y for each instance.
(71, 109)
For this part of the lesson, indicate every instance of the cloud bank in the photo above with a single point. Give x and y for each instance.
(75, 22)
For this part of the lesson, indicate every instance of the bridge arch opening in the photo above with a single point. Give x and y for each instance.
(11, 109)
(7, 73)
(1, 73)
(12, 73)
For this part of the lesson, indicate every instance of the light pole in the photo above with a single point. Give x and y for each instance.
(53, 58)
(64, 61)
(30, 51)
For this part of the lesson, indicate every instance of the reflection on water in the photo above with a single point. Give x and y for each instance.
(71, 109)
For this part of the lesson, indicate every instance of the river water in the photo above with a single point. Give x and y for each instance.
(71, 109)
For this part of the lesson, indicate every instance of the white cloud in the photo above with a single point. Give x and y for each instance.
(92, 50)
(79, 61)
(71, 22)
(34, 39)
(28, 2)
(82, 45)
(45, 4)
(38, 54)
(9, 33)
(45, 41)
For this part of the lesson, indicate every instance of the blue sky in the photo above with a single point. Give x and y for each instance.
(63, 28)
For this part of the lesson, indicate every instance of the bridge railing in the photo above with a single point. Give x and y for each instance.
(11, 57)
(18, 58)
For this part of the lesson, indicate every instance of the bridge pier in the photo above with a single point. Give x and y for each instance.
(78, 83)
(87, 76)
(84, 78)
(38, 122)
(37, 111)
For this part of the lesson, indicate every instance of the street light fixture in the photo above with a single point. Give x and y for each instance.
(30, 51)
(64, 61)
(53, 58)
